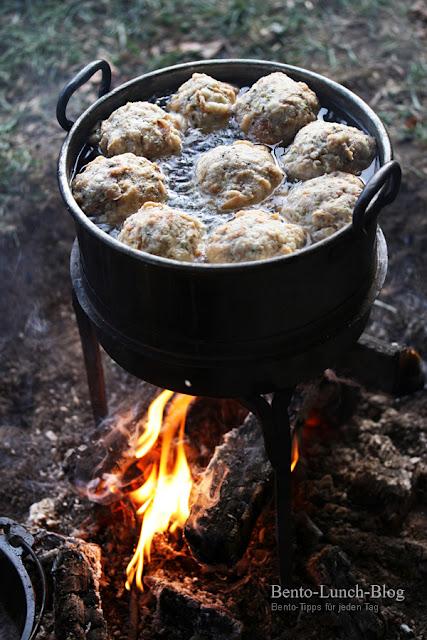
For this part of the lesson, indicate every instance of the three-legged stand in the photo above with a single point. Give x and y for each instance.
(274, 420)
(93, 363)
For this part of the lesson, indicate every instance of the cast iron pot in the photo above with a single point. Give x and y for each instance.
(235, 329)
(19, 593)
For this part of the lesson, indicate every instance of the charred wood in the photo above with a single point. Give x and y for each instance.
(308, 533)
(192, 614)
(111, 450)
(381, 366)
(73, 567)
(379, 477)
(78, 614)
(229, 496)
(236, 484)
(402, 556)
(331, 400)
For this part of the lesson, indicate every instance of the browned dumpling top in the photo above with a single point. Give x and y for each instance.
(253, 234)
(204, 102)
(164, 231)
(113, 188)
(142, 128)
(275, 108)
(323, 147)
(323, 205)
(239, 174)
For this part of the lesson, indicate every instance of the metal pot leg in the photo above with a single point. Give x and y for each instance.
(93, 363)
(275, 425)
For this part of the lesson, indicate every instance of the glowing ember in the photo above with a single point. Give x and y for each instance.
(163, 499)
(313, 420)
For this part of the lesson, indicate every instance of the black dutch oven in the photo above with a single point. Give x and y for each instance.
(22, 599)
(234, 329)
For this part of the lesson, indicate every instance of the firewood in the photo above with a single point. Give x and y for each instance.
(381, 366)
(330, 400)
(229, 495)
(236, 484)
(73, 568)
(110, 451)
(78, 614)
(190, 613)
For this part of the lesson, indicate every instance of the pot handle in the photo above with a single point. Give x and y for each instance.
(380, 190)
(79, 79)
(20, 539)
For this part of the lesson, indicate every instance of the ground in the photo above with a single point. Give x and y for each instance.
(376, 48)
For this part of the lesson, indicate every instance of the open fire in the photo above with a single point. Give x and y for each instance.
(162, 501)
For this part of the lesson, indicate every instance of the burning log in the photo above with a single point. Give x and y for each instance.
(111, 456)
(78, 614)
(207, 421)
(75, 569)
(378, 365)
(237, 482)
(229, 496)
(193, 614)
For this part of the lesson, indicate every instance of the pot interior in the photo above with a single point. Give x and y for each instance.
(341, 104)
(339, 101)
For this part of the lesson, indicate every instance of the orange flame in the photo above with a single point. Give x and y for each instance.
(163, 499)
(294, 452)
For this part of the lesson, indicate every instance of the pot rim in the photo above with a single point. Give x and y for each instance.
(79, 215)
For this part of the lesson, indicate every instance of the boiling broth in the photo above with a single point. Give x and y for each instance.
(179, 171)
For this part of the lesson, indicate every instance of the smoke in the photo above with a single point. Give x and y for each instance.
(206, 493)
(105, 470)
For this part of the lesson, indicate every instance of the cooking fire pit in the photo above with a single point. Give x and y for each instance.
(235, 330)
